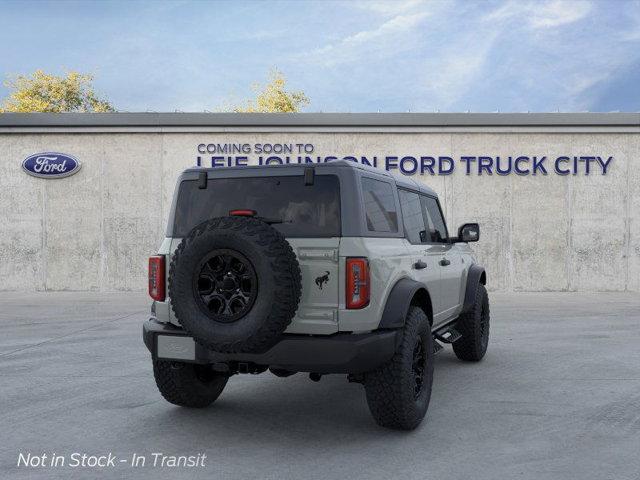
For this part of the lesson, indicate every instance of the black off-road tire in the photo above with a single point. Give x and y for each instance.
(188, 384)
(391, 389)
(277, 275)
(474, 327)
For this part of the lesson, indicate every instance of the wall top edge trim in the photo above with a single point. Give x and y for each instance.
(295, 120)
(318, 130)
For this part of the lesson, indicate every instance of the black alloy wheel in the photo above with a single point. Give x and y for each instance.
(225, 285)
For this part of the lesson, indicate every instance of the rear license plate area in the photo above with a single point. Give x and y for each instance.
(175, 347)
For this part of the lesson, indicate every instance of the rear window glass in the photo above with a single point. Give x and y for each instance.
(436, 222)
(412, 216)
(379, 206)
(305, 210)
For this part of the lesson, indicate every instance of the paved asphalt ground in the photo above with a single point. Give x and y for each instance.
(557, 397)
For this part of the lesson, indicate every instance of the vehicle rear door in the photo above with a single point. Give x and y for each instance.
(426, 268)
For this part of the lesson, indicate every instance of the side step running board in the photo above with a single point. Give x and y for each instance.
(449, 335)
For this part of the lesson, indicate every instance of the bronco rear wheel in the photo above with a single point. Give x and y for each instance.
(188, 384)
(398, 392)
(235, 284)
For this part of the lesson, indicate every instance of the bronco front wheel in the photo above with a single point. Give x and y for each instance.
(474, 327)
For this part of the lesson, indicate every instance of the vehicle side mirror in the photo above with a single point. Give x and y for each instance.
(469, 232)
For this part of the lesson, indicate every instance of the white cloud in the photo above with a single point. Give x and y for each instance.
(539, 15)
(389, 7)
(632, 13)
(391, 37)
(517, 57)
(564, 69)
(556, 13)
(506, 11)
(455, 70)
(398, 24)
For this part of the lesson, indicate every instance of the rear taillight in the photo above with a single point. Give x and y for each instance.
(156, 277)
(242, 213)
(358, 286)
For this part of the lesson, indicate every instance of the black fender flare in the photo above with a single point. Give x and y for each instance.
(475, 277)
(398, 303)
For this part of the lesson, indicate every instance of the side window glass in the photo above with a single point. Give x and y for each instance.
(437, 226)
(412, 216)
(380, 206)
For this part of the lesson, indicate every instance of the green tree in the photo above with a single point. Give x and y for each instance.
(273, 97)
(42, 92)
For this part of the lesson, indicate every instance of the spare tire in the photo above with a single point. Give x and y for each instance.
(234, 284)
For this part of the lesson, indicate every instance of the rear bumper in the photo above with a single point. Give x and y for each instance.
(338, 353)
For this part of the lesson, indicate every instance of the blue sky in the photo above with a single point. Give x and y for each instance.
(348, 56)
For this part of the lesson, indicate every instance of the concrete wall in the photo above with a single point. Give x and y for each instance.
(94, 230)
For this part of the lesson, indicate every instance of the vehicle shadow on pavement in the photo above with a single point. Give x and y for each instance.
(288, 410)
(260, 405)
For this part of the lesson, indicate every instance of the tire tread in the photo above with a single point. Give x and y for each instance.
(389, 389)
(469, 347)
(180, 386)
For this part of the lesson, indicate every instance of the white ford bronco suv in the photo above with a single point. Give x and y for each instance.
(330, 268)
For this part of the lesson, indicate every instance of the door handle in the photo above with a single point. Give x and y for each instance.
(444, 262)
(419, 265)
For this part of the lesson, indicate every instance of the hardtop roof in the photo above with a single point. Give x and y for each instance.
(400, 180)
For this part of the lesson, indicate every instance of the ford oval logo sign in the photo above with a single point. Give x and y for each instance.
(51, 165)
